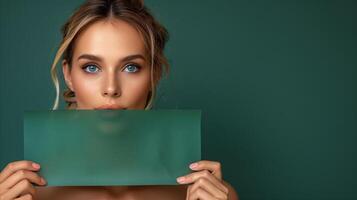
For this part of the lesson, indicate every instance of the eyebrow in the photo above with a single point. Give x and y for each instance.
(100, 59)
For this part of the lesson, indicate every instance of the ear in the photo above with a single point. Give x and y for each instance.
(67, 74)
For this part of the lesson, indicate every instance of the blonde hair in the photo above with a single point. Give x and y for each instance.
(133, 12)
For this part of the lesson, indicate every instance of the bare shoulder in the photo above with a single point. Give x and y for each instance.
(163, 192)
(232, 195)
(64, 192)
(112, 193)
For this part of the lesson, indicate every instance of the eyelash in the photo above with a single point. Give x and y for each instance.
(125, 67)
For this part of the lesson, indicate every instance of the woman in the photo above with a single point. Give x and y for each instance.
(112, 58)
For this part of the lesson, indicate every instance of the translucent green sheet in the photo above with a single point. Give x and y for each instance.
(112, 147)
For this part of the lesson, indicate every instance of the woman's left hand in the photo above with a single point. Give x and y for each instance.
(206, 182)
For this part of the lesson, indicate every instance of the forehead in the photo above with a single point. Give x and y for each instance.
(110, 39)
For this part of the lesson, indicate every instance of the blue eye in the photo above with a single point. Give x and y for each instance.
(131, 68)
(91, 69)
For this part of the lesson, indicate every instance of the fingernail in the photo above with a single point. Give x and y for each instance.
(180, 179)
(36, 166)
(193, 165)
(43, 181)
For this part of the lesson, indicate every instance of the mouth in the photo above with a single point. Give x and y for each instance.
(109, 107)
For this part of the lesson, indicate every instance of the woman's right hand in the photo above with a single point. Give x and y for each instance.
(16, 180)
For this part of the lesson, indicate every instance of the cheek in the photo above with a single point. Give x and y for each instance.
(86, 90)
(135, 90)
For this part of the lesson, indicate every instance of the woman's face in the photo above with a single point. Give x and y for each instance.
(109, 68)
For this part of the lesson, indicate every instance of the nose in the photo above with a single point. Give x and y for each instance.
(111, 87)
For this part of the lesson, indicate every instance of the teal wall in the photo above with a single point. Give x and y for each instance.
(276, 82)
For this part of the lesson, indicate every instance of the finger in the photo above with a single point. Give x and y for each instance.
(190, 178)
(18, 165)
(20, 175)
(188, 192)
(212, 166)
(209, 187)
(201, 194)
(25, 197)
(22, 188)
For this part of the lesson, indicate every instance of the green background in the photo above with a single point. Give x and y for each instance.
(275, 80)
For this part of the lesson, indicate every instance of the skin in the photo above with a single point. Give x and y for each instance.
(116, 72)
(109, 67)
